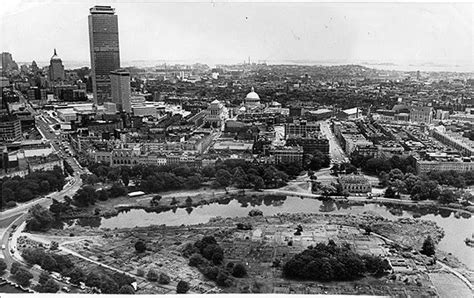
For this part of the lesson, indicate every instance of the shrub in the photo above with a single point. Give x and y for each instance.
(152, 275)
(182, 287)
(3, 266)
(164, 279)
(23, 277)
(239, 270)
(140, 247)
(428, 247)
(211, 272)
(140, 272)
(14, 268)
(196, 260)
(127, 289)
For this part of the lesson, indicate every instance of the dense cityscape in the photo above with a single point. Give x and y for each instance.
(244, 178)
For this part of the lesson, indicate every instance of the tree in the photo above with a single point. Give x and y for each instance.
(152, 275)
(126, 289)
(155, 201)
(196, 260)
(447, 196)
(43, 278)
(140, 246)
(102, 195)
(14, 268)
(428, 247)
(76, 275)
(108, 285)
(117, 190)
(39, 218)
(189, 201)
(258, 182)
(239, 270)
(50, 286)
(164, 279)
(223, 177)
(3, 266)
(23, 277)
(85, 196)
(182, 287)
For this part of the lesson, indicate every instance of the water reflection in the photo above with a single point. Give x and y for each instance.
(93, 222)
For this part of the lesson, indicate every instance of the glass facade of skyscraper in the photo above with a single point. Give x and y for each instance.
(104, 48)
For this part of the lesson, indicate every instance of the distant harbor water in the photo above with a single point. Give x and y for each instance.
(456, 229)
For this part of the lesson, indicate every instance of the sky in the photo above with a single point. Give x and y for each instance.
(223, 32)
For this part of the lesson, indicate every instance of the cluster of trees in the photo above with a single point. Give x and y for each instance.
(423, 187)
(377, 165)
(88, 195)
(452, 178)
(110, 283)
(208, 256)
(42, 219)
(329, 262)
(20, 275)
(161, 278)
(3, 266)
(39, 219)
(47, 261)
(242, 174)
(46, 284)
(113, 283)
(22, 189)
(153, 178)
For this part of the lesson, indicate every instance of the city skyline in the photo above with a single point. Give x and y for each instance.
(231, 32)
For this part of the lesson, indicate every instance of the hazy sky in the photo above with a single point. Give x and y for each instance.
(230, 32)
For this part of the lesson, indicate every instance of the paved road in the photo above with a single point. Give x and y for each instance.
(335, 151)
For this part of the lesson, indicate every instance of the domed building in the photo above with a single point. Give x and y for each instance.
(56, 68)
(252, 99)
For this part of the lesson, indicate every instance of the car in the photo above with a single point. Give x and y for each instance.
(3, 246)
(65, 289)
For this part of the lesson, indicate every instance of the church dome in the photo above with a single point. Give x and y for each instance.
(252, 95)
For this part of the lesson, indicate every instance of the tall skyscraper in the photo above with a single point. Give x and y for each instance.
(104, 47)
(120, 82)
(56, 68)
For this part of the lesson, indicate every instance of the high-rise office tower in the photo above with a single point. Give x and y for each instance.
(120, 82)
(56, 68)
(104, 47)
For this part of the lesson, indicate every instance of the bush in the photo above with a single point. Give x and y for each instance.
(14, 268)
(127, 289)
(140, 272)
(152, 275)
(239, 270)
(211, 272)
(3, 266)
(23, 277)
(223, 279)
(196, 260)
(50, 286)
(182, 287)
(428, 247)
(140, 247)
(164, 279)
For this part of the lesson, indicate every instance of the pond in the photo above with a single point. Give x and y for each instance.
(456, 229)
